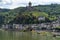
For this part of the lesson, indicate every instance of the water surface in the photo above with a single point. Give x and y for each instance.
(14, 35)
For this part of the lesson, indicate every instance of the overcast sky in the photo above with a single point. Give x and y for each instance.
(17, 3)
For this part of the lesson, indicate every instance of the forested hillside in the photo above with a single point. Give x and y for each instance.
(49, 11)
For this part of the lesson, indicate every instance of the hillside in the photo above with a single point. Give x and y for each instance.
(4, 10)
(31, 17)
(48, 11)
(52, 9)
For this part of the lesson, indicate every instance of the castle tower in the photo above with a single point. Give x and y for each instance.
(30, 4)
(29, 7)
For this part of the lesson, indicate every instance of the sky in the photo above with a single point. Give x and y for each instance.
(11, 4)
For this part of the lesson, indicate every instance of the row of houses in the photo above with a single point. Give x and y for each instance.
(25, 26)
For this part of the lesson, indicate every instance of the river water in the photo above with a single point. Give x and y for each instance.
(14, 35)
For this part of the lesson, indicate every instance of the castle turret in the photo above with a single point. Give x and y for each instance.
(30, 7)
(30, 4)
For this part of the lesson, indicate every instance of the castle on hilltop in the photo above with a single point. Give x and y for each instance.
(30, 7)
(30, 4)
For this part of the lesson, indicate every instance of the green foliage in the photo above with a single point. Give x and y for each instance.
(52, 9)
(52, 18)
(48, 11)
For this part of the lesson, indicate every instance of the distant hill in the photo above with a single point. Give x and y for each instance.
(4, 10)
(53, 9)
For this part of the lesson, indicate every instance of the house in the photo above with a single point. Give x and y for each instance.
(7, 26)
(41, 18)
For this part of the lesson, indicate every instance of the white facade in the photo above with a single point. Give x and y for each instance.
(41, 18)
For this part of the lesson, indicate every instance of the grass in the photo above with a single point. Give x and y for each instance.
(36, 13)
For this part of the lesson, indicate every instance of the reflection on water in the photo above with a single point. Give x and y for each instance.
(13, 35)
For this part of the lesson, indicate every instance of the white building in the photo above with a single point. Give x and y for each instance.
(41, 18)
